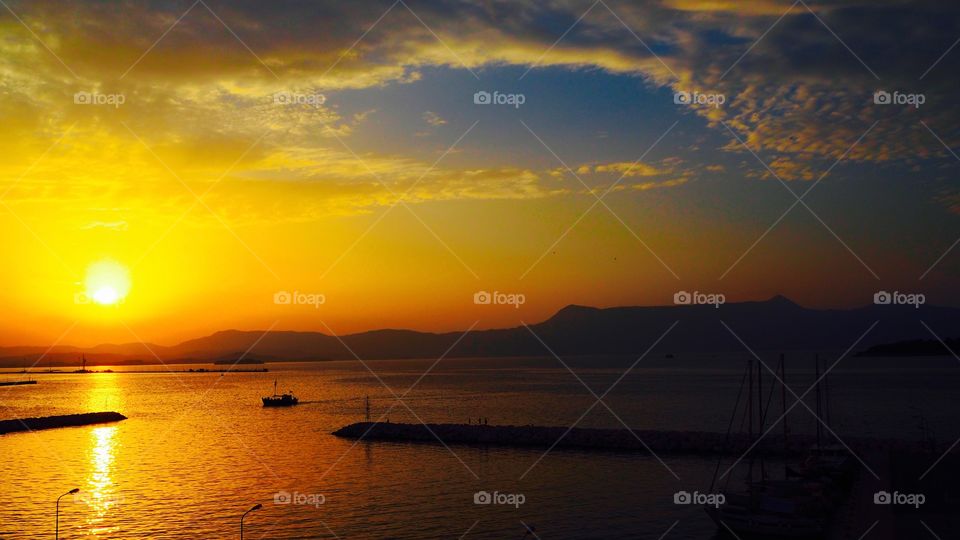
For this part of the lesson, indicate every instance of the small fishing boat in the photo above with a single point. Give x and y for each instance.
(280, 400)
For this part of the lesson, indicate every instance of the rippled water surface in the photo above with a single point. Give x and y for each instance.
(198, 449)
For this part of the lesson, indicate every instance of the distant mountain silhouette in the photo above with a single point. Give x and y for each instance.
(775, 324)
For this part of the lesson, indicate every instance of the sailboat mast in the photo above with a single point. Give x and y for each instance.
(826, 396)
(816, 362)
(750, 410)
(760, 415)
(783, 403)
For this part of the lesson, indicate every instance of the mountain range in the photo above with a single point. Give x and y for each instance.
(774, 324)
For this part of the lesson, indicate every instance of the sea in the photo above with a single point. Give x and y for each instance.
(198, 451)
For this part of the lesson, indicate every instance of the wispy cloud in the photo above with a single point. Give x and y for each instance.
(107, 225)
(433, 119)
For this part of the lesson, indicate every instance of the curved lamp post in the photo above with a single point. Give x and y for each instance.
(252, 508)
(71, 492)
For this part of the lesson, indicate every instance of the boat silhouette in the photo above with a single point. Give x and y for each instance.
(801, 504)
(280, 400)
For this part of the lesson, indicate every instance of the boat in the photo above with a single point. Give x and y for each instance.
(770, 508)
(280, 400)
(84, 368)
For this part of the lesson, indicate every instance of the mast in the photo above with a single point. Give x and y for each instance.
(733, 417)
(826, 395)
(783, 403)
(816, 362)
(750, 411)
(760, 415)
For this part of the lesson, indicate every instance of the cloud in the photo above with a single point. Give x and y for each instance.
(752, 7)
(433, 119)
(951, 200)
(628, 170)
(118, 226)
(99, 172)
(644, 186)
(795, 93)
(802, 100)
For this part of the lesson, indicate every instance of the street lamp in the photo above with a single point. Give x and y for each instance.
(71, 492)
(254, 507)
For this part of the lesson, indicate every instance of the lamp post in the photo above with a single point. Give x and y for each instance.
(71, 492)
(252, 508)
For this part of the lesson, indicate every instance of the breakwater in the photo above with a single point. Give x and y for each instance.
(659, 441)
(51, 422)
(125, 372)
(16, 383)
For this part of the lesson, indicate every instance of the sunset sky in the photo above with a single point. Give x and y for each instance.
(239, 149)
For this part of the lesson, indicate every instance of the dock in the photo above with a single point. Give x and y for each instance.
(621, 440)
(51, 422)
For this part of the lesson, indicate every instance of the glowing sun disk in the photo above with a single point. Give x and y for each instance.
(107, 282)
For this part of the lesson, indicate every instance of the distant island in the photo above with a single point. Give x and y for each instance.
(914, 347)
(777, 324)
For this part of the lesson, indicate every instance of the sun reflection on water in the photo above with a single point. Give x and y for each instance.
(100, 493)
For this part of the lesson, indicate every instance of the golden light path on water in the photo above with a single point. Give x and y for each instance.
(99, 492)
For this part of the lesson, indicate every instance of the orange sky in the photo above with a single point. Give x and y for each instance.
(250, 152)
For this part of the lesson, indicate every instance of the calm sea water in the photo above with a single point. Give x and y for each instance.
(198, 449)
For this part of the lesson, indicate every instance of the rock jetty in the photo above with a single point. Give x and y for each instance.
(51, 422)
(659, 441)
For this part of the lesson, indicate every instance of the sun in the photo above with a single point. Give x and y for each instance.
(107, 282)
